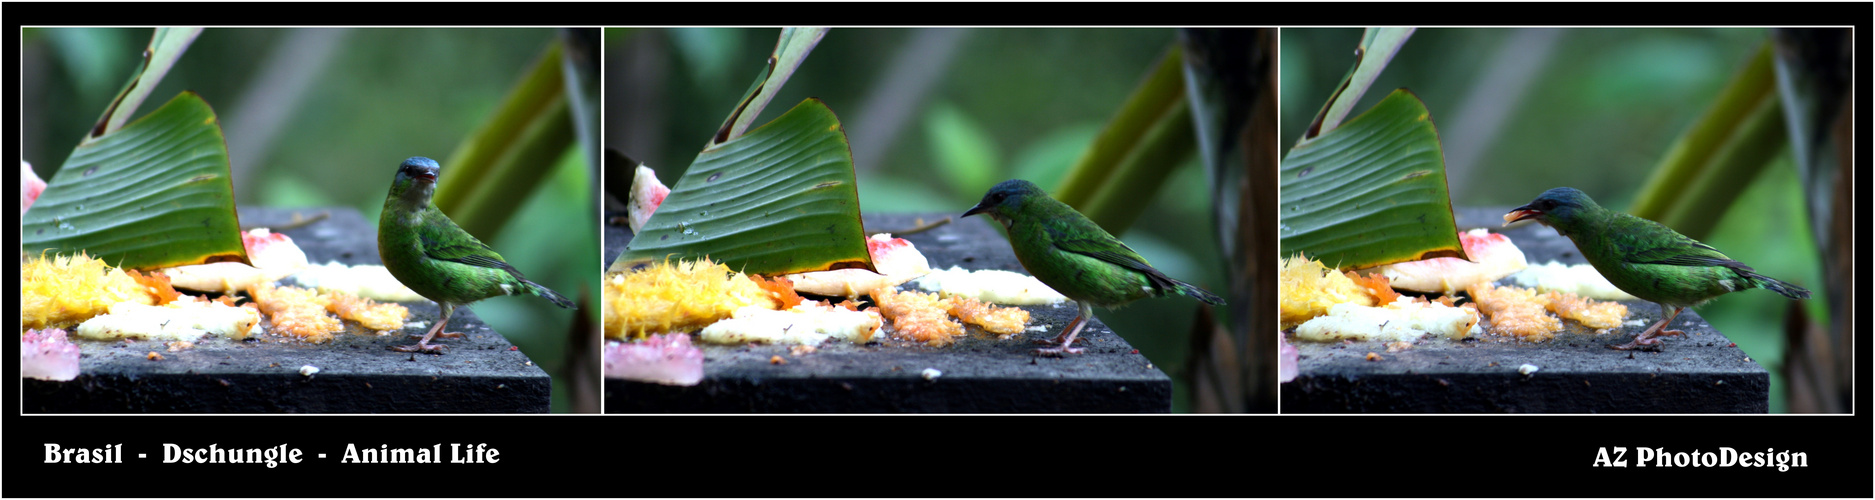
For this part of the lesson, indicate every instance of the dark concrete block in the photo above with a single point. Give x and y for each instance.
(1700, 372)
(980, 374)
(357, 373)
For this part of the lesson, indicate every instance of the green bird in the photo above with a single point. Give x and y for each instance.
(1075, 256)
(1646, 259)
(438, 260)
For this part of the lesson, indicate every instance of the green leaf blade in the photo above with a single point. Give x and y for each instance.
(1378, 45)
(780, 199)
(165, 48)
(156, 193)
(1370, 192)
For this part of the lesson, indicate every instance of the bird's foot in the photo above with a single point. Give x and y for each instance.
(421, 347)
(444, 335)
(1647, 341)
(1056, 352)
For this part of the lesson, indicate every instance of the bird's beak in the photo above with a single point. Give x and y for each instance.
(427, 176)
(1521, 213)
(977, 210)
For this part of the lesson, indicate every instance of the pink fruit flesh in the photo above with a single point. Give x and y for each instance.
(30, 187)
(663, 359)
(647, 195)
(48, 355)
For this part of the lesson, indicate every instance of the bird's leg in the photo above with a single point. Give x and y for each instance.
(424, 345)
(1073, 324)
(1649, 338)
(1067, 334)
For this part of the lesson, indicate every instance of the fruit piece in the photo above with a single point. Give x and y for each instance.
(677, 297)
(1306, 289)
(1377, 286)
(646, 195)
(918, 317)
(368, 313)
(367, 281)
(1579, 279)
(1493, 257)
(1402, 320)
(274, 256)
(48, 355)
(1515, 311)
(299, 312)
(994, 286)
(897, 260)
(1590, 313)
(30, 187)
(65, 290)
(809, 323)
(997, 320)
(186, 320)
(662, 359)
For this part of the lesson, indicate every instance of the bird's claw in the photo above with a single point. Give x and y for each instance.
(1647, 341)
(1056, 352)
(444, 335)
(1649, 345)
(421, 347)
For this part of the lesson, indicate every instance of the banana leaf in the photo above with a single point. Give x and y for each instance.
(780, 199)
(790, 50)
(166, 46)
(1378, 45)
(1371, 191)
(155, 193)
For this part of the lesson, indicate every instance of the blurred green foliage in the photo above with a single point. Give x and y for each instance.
(346, 106)
(1008, 103)
(1602, 108)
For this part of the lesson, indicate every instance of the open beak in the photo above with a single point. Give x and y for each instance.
(427, 175)
(1521, 213)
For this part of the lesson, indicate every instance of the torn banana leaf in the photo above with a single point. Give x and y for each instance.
(1371, 191)
(790, 51)
(155, 193)
(778, 200)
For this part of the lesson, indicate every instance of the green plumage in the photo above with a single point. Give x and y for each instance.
(1073, 255)
(427, 252)
(1644, 258)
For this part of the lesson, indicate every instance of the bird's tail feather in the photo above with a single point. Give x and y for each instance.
(1188, 290)
(549, 294)
(1794, 292)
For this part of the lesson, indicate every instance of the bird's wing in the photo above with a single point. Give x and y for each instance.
(1648, 242)
(443, 240)
(1112, 250)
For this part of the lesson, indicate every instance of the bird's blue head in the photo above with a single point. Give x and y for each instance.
(1559, 208)
(1006, 199)
(416, 178)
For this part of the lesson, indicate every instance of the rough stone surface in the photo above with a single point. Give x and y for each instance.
(357, 373)
(1700, 372)
(979, 374)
